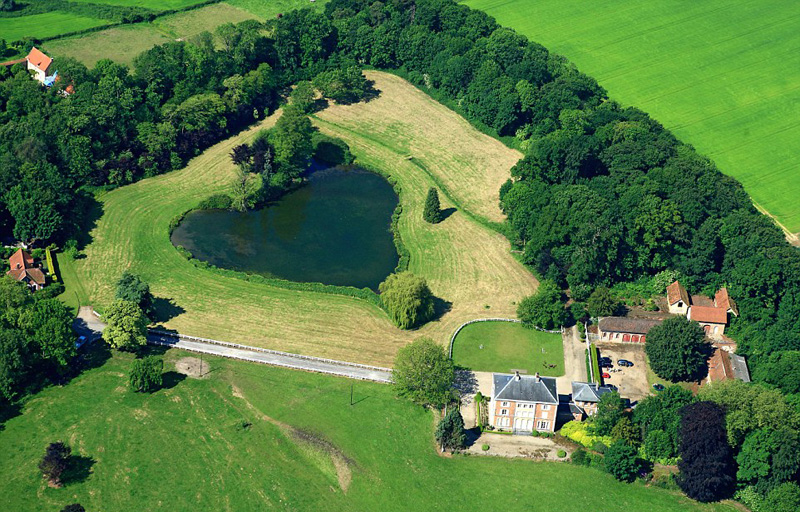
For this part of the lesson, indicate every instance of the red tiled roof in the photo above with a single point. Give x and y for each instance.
(724, 301)
(39, 59)
(709, 315)
(627, 325)
(20, 260)
(676, 292)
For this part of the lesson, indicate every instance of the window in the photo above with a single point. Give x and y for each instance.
(543, 425)
(504, 404)
(503, 412)
(545, 407)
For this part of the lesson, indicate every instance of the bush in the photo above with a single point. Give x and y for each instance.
(621, 461)
(561, 454)
(55, 462)
(331, 150)
(485, 447)
(544, 309)
(578, 431)
(600, 447)
(216, 202)
(146, 374)
(580, 458)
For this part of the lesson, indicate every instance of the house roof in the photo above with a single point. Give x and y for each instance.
(525, 388)
(588, 392)
(676, 292)
(739, 365)
(33, 274)
(709, 315)
(39, 59)
(20, 259)
(724, 301)
(627, 325)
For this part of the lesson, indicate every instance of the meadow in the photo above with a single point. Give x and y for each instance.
(506, 346)
(723, 75)
(249, 437)
(402, 133)
(156, 5)
(47, 24)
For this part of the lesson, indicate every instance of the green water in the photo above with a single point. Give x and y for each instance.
(334, 230)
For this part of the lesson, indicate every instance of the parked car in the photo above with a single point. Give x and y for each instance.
(606, 364)
(606, 376)
(658, 387)
(624, 362)
(612, 387)
(604, 360)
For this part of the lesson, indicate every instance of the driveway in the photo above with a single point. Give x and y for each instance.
(574, 361)
(88, 325)
(632, 382)
(529, 447)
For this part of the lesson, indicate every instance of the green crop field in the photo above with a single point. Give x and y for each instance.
(723, 75)
(403, 133)
(506, 346)
(189, 447)
(156, 5)
(48, 24)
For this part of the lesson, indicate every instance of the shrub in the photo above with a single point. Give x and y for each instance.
(580, 458)
(544, 309)
(485, 447)
(621, 461)
(561, 454)
(579, 432)
(216, 202)
(145, 375)
(331, 150)
(54, 462)
(600, 447)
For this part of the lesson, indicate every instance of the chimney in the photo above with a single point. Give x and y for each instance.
(536, 377)
(517, 375)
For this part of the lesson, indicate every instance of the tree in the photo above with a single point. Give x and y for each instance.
(621, 462)
(241, 189)
(75, 507)
(291, 138)
(610, 411)
(145, 375)
(342, 85)
(6, 5)
(424, 373)
(658, 417)
(55, 462)
(303, 96)
(784, 498)
(450, 432)
(626, 431)
(432, 212)
(544, 309)
(132, 288)
(602, 303)
(408, 299)
(706, 467)
(677, 349)
(768, 458)
(126, 326)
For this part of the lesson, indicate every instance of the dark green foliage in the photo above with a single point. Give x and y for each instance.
(55, 462)
(610, 411)
(291, 140)
(544, 309)
(602, 303)
(658, 417)
(146, 374)
(6, 5)
(216, 202)
(706, 467)
(620, 460)
(342, 85)
(330, 150)
(768, 458)
(677, 349)
(424, 373)
(132, 288)
(75, 507)
(626, 431)
(784, 498)
(780, 369)
(408, 299)
(450, 433)
(579, 457)
(433, 210)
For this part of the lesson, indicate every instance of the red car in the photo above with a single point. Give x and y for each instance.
(606, 376)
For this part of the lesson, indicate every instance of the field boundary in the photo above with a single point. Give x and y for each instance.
(478, 320)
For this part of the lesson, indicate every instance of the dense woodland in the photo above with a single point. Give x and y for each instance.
(603, 195)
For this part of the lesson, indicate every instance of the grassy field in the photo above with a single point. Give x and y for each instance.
(724, 75)
(272, 8)
(156, 5)
(466, 264)
(183, 448)
(123, 43)
(45, 25)
(506, 346)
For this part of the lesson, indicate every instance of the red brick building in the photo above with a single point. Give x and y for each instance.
(23, 269)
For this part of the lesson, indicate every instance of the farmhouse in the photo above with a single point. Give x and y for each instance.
(712, 315)
(523, 403)
(40, 64)
(23, 269)
(617, 328)
(586, 396)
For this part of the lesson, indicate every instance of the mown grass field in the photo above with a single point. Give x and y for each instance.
(723, 75)
(125, 42)
(182, 449)
(156, 5)
(466, 264)
(506, 346)
(47, 24)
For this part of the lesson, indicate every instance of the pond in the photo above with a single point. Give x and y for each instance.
(335, 230)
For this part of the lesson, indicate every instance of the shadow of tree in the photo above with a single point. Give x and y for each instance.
(171, 379)
(165, 309)
(447, 212)
(92, 210)
(78, 469)
(465, 382)
(440, 307)
(7, 412)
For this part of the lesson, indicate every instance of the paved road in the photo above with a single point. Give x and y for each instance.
(89, 325)
(574, 361)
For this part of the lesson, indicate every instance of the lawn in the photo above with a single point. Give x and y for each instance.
(467, 265)
(272, 8)
(156, 5)
(723, 75)
(190, 23)
(506, 346)
(188, 448)
(45, 25)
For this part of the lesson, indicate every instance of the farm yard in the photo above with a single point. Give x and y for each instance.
(507, 346)
(261, 438)
(382, 133)
(722, 75)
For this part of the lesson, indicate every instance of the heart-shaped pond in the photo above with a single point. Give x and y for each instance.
(335, 230)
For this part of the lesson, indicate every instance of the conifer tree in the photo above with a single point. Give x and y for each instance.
(432, 212)
(450, 431)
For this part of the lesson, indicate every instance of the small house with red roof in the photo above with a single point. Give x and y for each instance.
(40, 64)
(24, 269)
(711, 315)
